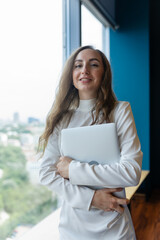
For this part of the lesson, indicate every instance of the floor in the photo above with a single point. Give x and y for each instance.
(146, 216)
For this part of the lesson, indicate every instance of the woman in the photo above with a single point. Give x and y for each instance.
(85, 97)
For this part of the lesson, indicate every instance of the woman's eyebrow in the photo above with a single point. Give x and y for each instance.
(91, 59)
(78, 60)
(94, 59)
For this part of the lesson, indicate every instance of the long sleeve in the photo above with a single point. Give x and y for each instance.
(48, 176)
(127, 171)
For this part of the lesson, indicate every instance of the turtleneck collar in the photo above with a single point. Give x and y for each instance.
(86, 105)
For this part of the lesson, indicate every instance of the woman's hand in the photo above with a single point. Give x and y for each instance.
(104, 199)
(63, 166)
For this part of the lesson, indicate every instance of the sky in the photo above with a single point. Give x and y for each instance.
(31, 54)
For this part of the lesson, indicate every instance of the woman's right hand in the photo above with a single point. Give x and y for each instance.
(105, 200)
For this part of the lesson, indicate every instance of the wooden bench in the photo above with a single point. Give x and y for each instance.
(130, 191)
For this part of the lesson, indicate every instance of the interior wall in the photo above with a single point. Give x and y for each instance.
(154, 90)
(129, 57)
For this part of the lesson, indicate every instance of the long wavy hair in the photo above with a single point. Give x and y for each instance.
(67, 98)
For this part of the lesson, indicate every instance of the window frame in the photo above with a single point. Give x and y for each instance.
(72, 26)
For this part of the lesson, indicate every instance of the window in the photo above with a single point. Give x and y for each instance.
(31, 62)
(91, 29)
(93, 32)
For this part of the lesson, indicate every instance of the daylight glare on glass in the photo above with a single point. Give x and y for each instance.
(30, 66)
(30, 56)
(90, 26)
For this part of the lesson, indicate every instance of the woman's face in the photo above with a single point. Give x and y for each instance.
(87, 73)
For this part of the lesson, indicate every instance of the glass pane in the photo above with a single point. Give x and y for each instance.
(30, 66)
(91, 29)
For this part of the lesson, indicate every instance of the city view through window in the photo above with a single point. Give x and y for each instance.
(31, 62)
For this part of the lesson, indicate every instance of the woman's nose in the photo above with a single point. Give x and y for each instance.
(85, 69)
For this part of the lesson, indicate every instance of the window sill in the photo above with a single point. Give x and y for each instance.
(46, 229)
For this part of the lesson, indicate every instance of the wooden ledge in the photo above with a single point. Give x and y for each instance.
(130, 191)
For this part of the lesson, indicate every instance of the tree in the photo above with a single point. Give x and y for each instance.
(24, 202)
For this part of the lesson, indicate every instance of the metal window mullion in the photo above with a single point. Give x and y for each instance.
(71, 27)
(106, 41)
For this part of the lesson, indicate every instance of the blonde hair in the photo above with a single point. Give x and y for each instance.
(67, 97)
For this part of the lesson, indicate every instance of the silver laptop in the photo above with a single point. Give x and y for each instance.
(96, 144)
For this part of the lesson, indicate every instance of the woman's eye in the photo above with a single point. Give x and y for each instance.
(78, 66)
(94, 65)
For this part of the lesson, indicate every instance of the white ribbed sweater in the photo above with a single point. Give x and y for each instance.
(79, 221)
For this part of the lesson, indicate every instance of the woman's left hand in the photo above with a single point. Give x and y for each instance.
(63, 166)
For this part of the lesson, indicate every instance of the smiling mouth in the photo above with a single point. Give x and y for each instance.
(85, 79)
